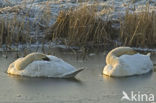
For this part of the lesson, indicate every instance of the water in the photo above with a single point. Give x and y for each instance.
(90, 86)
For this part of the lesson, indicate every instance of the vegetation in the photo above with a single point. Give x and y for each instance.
(139, 29)
(81, 26)
(12, 32)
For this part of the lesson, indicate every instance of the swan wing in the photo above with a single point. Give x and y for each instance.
(73, 74)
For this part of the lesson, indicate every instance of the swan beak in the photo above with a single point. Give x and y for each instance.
(46, 59)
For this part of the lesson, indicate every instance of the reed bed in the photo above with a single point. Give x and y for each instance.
(12, 32)
(16, 27)
(81, 27)
(139, 29)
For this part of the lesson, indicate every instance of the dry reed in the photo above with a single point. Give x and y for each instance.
(11, 31)
(139, 29)
(81, 26)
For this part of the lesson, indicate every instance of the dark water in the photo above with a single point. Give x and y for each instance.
(88, 87)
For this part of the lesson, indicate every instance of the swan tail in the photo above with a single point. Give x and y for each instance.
(149, 54)
(73, 74)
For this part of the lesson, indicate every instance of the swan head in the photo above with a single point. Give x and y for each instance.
(37, 56)
(113, 55)
(123, 50)
(23, 62)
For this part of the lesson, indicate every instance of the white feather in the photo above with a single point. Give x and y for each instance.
(56, 67)
(127, 65)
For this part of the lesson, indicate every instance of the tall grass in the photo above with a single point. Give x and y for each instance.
(139, 29)
(81, 26)
(2, 32)
(15, 25)
(12, 31)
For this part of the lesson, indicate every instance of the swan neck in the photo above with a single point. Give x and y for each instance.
(24, 62)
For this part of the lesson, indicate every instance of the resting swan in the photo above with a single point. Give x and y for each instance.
(41, 65)
(124, 61)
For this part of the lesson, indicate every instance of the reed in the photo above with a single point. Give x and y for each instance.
(12, 31)
(2, 32)
(80, 26)
(139, 29)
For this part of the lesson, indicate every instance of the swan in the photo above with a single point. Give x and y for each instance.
(125, 61)
(41, 65)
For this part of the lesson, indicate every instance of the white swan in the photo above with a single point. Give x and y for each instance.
(124, 61)
(41, 65)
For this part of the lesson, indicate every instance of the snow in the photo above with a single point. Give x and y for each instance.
(111, 9)
(129, 65)
(32, 12)
(144, 49)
